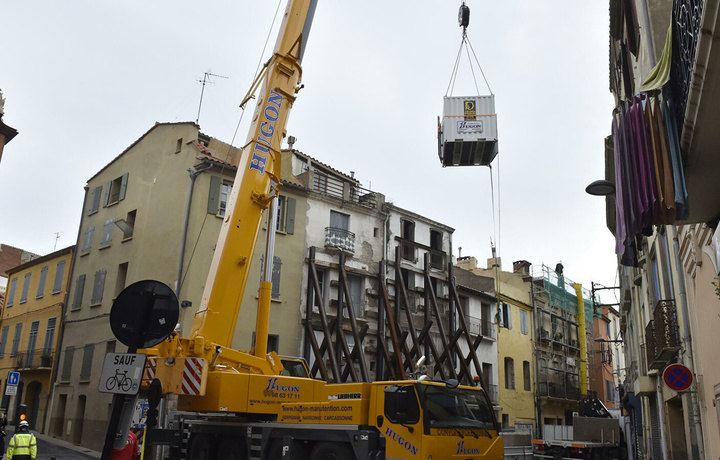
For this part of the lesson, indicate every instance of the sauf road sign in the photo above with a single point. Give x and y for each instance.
(677, 377)
(122, 373)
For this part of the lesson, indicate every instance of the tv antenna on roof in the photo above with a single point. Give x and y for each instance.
(206, 79)
(57, 237)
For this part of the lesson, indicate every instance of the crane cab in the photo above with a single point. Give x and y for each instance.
(467, 133)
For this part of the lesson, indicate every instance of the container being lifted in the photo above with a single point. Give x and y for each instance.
(467, 133)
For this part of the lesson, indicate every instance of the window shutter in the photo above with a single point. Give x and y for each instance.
(277, 264)
(16, 339)
(509, 316)
(67, 364)
(290, 215)
(88, 352)
(49, 336)
(95, 199)
(26, 288)
(87, 241)
(79, 287)
(41, 285)
(107, 194)
(214, 196)
(107, 233)
(123, 186)
(11, 294)
(98, 287)
(3, 340)
(57, 286)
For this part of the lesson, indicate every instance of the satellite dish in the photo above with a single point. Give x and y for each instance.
(144, 314)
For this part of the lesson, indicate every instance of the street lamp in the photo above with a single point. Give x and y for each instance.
(601, 188)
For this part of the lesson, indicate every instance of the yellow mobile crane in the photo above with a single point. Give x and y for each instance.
(238, 405)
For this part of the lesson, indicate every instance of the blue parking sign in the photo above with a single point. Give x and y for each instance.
(13, 378)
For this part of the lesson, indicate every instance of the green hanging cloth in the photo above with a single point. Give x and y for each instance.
(660, 74)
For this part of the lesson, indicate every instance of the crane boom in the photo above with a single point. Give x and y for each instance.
(256, 184)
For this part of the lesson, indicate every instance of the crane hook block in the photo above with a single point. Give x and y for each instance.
(464, 16)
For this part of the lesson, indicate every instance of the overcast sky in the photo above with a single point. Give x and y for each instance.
(84, 79)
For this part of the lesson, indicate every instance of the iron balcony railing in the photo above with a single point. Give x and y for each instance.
(34, 359)
(479, 326)
(686, 32)
(346, 191)
(661, 335)
(338, 238)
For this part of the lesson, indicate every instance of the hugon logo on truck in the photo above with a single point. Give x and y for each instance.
(267, 129)
(466, 450)
(272, 385)
(402, 441)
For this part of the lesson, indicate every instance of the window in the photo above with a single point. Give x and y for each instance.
(32, 341)
(87, 240)
(95, 200)
(110, 346)
(609, 390)
(79, 288)
(178, 145)
(50, 336)
(3, 340)
(98, 287)
(57, 286)
(607, 330)
(355, 286)
(505, 421)
(524, 321)
(505, 316)
(408, 278)
(16, 339)
(107, 233)
(121, 278)
(67, 364)
(318, 301)
(286, 215)
(437, 259)
(127, 225)
(41, 285)
(526, 375)
(407, 231)
(509, 374)
(115, 190)
(88, 351)
(26, 288)
(320, 182)
(277, 265)
(219, 195)
(11, 294)
(273, 342)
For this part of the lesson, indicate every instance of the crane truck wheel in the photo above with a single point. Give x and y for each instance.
(202, 447)
(332, 451)
(231, 449)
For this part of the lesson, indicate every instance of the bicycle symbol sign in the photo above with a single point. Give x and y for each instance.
(677, 377)
(122, 373)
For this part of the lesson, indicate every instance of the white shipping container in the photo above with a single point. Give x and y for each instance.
(468, 133)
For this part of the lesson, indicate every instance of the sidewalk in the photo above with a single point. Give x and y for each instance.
(10, 430)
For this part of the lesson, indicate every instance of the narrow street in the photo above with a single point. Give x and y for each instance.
(50, 448)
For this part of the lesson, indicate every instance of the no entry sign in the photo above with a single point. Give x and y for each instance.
(677, 377)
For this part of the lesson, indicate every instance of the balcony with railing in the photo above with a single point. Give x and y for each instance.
(39, 358)
(338, 238)
(479, 326)
(662, 335)
(344, 190)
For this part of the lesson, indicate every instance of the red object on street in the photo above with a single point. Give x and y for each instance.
(131, 451)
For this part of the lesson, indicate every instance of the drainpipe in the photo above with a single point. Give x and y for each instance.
(53, 373)
(193, 176)
(583, 339)
(694, 404)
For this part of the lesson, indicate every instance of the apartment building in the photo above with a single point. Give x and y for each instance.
(513, 313)
(663, 62)
(29, 333)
